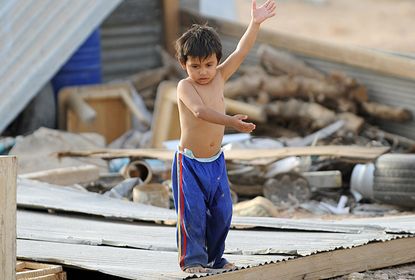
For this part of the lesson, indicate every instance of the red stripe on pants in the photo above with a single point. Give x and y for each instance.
(182, 229)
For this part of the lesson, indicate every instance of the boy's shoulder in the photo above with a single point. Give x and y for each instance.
(184, 83)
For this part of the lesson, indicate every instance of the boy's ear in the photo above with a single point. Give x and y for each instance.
(183, 65)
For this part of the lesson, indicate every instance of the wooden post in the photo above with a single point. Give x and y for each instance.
(8, 169)
(171, 23)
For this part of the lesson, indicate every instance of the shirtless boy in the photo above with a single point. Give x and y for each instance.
(200, 184)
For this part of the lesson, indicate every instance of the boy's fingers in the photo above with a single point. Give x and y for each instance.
(254, 4)
(242, 117)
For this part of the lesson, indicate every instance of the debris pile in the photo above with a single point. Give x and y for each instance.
(294, 106)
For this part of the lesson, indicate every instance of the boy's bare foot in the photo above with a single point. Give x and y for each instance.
(196, 269)
(229, 266)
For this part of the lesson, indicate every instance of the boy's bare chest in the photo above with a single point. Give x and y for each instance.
(212, 96)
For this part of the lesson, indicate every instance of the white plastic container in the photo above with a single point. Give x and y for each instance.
(362, 179)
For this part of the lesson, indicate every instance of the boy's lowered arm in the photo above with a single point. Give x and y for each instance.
(258, 15)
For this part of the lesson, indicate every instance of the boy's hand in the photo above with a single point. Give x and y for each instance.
(263, 12)
(242, 126)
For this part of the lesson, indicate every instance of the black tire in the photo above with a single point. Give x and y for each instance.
(394, 180)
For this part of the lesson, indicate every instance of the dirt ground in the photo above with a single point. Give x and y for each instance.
(403, 272)
(382, 24)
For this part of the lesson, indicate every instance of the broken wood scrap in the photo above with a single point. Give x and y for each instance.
(39, 271)
(254, 112)
(249, 70)
(286, 86)
(359, 94)
(149, 78)
(397, 142)
(277, 62)
(353, 122)
(81, 108)
(319, 89)
(342, 79)
(65, 176)
(386, 112)
(280, 87)
(243, 86)
(262, 98)
(257, 207)
(345, 105)
(355, 153)
(161, 154)
(293, 109)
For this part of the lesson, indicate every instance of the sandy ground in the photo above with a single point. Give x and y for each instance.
(383, 24)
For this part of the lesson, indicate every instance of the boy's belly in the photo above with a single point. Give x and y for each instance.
(203, 143)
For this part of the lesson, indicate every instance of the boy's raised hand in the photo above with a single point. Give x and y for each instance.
(267, 10)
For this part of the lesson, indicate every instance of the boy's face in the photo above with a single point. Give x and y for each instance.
(201, 70)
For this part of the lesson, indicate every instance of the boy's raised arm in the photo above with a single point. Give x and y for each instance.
(258, 15)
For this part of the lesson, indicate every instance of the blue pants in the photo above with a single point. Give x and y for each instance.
(204, 209)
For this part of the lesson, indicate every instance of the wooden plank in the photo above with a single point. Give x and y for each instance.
(8, 173)
(65, 176)
(113, 117)
(34, 270)
(92, 92)
(56, 276)
(335, 263)
(355, 153)
(365, 58)
(111, 106)
(165, 124)
(171, 24)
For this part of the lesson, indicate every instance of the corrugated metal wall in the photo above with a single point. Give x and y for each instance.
(384, 89)
(128, 38)
(36, 38)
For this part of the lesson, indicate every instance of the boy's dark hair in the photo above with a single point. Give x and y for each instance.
(199, 41)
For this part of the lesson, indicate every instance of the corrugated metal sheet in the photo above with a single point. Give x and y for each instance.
(76, 240)
(38, 195)
(41, 195)
(123, 262)
(36, 38)
(129, 36)
(382, 88)
(69, 229)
